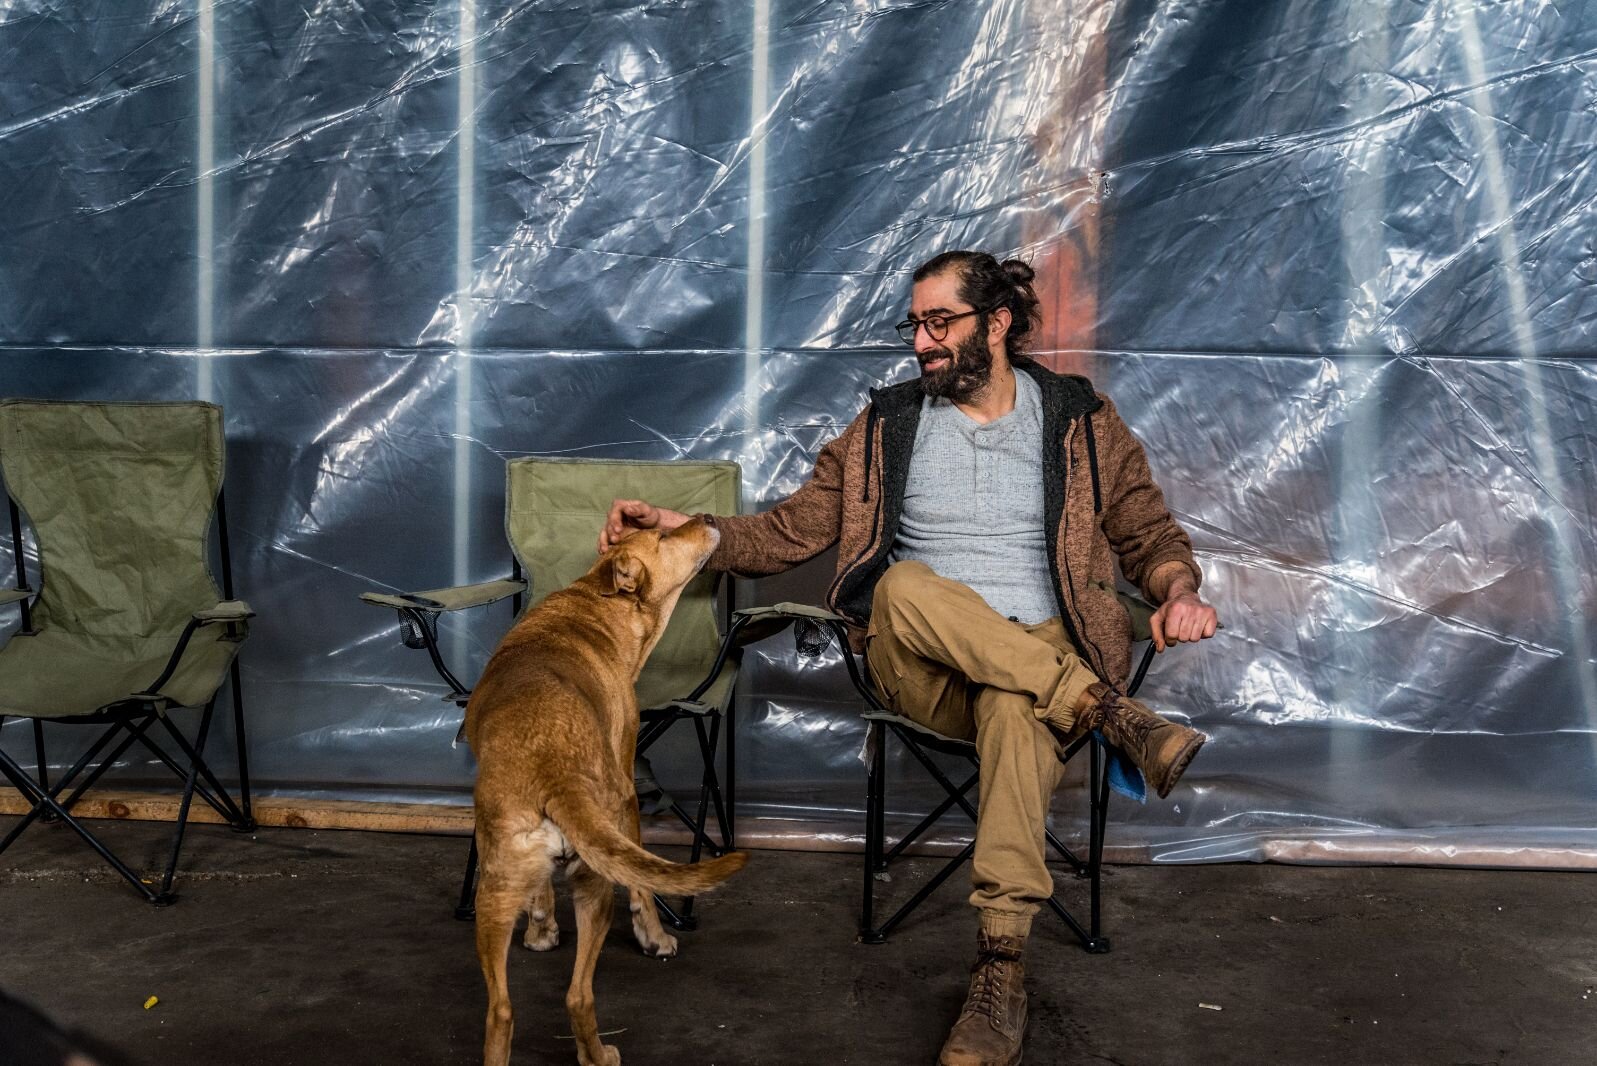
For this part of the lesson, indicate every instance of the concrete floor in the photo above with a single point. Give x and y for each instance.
(298, 947)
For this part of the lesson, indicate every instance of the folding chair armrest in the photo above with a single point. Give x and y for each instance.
(791, 611)
(232, 613)
(14, 595)
(225, 611)
(418, 618)
(753, 624)
(1141, 612)
(457, 598)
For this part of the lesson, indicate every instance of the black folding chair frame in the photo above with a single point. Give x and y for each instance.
(878, 857)
(882, 723)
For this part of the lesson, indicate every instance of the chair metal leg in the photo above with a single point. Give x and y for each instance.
(231, 812)
(731, 772)
(1080, 868)
(723, 815)
(875, 800)
(466, 909)
(1099, 813)
(225, 809)
(30, 788)
(936, 772)
(247, 822)
(877, 858)
(927, 889)
(876, 842)
(65, 781)
(709, 792)
(1075, 926)
(40, 762)
(135, 732)
(701, 839)
(195, 763)
(708, 789)
(927, 822)
(676, 921)
(651, 733)
(880, 826)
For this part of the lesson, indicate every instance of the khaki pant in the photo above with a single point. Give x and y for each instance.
(947, 660)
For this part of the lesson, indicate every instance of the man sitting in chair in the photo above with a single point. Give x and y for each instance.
(979, 514)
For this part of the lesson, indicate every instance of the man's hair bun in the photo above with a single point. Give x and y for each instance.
(1019, 271)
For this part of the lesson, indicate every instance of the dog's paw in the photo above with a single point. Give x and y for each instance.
(663, 946)
(651, 936)
(612, 1056)
(543, 933)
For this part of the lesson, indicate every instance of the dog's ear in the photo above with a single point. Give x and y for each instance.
(623, 573)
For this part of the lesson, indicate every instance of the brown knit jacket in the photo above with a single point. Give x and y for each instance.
(1100, 504)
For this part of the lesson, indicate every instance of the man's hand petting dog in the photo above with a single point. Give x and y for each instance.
(628, 516)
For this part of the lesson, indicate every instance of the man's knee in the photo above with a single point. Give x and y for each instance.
(898, 586)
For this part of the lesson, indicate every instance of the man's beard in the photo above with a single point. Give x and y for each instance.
(969, 369)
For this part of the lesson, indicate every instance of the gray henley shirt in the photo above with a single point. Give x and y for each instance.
(973, 505)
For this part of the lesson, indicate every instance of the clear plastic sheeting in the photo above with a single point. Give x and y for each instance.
(1334, 265)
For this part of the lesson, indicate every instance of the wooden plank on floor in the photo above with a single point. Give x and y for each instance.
(297, 813)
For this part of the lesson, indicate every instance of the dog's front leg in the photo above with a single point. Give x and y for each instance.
(646, 927)
(595, 899)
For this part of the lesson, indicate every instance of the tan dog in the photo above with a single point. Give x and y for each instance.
(554, 722)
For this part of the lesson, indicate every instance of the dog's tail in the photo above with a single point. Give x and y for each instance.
(612, 855)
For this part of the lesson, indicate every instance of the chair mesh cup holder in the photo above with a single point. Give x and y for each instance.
(418, 629)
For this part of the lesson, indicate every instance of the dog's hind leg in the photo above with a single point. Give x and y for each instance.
(543, 931)
(595, 899)
(646, 928)
(510, 863)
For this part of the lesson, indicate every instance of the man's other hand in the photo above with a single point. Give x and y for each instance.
(1183, 619)
(629, 515)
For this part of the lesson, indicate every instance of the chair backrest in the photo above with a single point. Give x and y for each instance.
(120, 496)
(554, 509)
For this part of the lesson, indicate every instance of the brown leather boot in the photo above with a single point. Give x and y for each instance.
(1160, 748)
(993, 1022)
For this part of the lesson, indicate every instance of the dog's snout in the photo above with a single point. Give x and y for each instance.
(694, 525)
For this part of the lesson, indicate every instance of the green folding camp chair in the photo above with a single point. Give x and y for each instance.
(127, 624)
(554, 509)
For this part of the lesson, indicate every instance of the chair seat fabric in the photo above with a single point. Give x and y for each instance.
(57, 673)
(669, 682)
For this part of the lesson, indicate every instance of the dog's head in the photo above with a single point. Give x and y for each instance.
(653, 566)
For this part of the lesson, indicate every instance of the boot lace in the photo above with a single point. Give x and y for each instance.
(986, 987)
(1135, 729)
(984, 998)
(1124, 727)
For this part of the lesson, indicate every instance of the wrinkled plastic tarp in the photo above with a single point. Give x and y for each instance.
(1333, 262)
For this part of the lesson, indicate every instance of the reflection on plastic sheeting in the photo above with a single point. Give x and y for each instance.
(1332, 265)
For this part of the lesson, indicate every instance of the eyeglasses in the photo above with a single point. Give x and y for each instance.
(936, 325)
